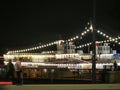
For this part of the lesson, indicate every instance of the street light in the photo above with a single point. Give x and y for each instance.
(93, 53)
(94, 45)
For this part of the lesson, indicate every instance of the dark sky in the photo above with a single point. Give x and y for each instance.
(29, 22)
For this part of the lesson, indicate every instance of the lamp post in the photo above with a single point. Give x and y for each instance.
(93, 53)
(94, 45)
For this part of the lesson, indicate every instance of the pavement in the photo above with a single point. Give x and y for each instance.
(62, 87)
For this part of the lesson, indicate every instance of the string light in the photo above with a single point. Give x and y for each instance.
(33, 48)
(69, 40)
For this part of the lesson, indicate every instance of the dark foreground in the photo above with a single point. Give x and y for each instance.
(63, 87)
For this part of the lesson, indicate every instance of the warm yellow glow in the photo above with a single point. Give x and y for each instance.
(101, 33)
(98, 31)
(116, 41)
(110, 38)
(104, 34)
(88, 30)
(91, 27)
(113, 39)
(88, 23)
(82, 34)
(107, 36)
(77, 36)
(85, 27)
(85, 32)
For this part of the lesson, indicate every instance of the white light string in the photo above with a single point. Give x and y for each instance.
(87, 30)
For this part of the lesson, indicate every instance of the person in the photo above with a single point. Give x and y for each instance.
(10, 71)
(115, 66)
(18, 70)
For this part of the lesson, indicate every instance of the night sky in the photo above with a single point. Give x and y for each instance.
(30, 22)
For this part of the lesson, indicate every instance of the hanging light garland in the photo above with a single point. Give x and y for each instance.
(87, 30)
(110, 40)
(34, 48)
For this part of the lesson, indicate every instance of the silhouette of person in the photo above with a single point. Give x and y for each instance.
(18, 70)
(10, 71)
(115, 66)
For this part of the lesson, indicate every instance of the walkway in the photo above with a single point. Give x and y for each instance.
(64, 87)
